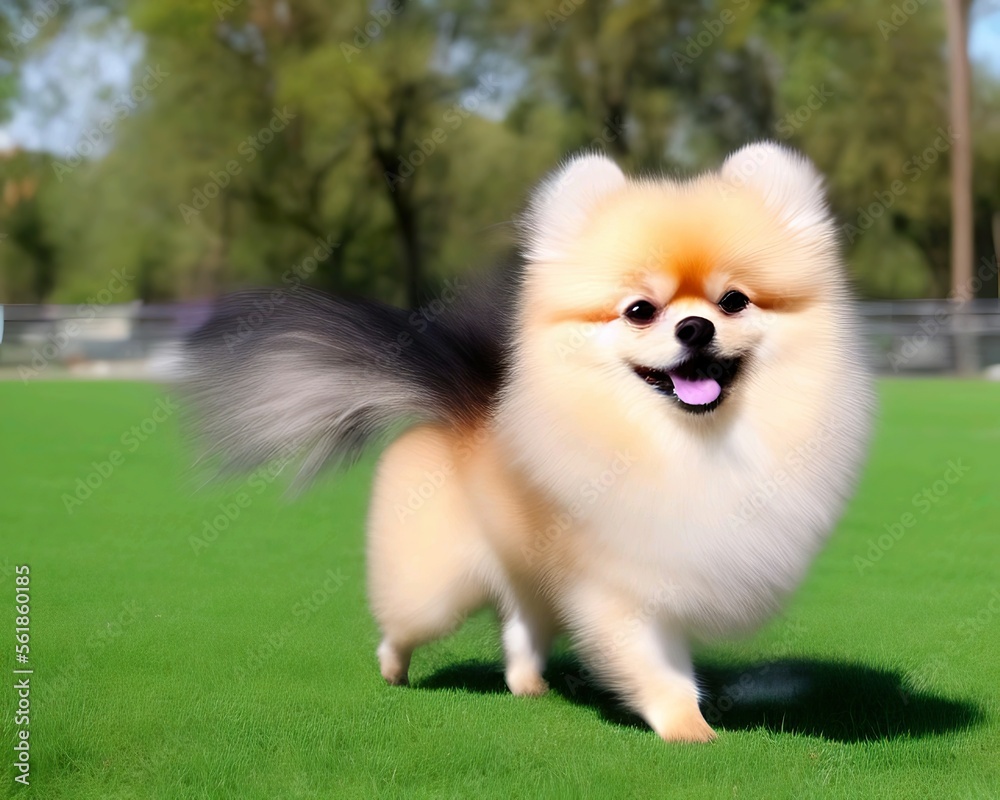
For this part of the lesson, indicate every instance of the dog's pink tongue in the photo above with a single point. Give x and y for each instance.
(699, 392)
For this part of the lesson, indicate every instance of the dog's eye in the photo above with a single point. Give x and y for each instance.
(641, 312)
(733, 302)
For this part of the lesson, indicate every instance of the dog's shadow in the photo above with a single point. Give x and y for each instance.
(837, 701)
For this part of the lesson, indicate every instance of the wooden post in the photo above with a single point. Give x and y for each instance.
(957, 13)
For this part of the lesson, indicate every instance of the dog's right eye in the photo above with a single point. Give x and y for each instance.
(641, 312)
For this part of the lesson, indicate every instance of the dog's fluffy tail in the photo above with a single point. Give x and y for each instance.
(302, 375)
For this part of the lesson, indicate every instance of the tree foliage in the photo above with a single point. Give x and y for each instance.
(397, 139)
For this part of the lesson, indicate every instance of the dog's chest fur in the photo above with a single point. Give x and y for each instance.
(708, 532)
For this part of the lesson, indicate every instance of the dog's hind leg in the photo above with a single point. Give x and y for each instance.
(425, 557)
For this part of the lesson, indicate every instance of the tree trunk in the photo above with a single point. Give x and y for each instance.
(409, 236)
(407, 228)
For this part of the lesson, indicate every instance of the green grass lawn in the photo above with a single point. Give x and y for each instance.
(237, 660)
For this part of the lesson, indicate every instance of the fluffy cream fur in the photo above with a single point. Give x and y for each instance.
(592, 503)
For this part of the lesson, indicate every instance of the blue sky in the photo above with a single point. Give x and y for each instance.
(984, 37)
(75, 79)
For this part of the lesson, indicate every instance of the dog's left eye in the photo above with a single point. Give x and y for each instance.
(733, 302)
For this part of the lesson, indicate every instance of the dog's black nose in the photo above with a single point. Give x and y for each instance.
(695, 331)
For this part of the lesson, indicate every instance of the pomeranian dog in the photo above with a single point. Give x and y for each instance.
(641, 440)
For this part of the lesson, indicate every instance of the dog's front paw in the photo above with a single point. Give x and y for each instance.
(683, 723)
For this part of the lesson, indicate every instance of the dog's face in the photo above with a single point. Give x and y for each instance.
(678, 291)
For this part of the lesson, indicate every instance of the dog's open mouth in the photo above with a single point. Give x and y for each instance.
(698, 385)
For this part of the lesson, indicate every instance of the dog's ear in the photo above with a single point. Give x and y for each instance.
(562, 204)
(786, 181)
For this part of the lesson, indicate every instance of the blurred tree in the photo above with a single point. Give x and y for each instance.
(395, 139)
(28, 255)
(863, 93)
(657, 83)
(366, 106)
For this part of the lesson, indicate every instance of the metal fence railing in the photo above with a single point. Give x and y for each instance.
(933, 336)
(905, 337)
